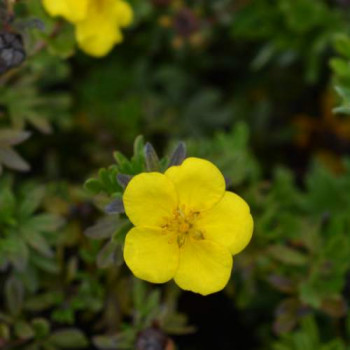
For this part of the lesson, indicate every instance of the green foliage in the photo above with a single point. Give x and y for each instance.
(308, 337)
(232, 79)
(289, 31)
(228, 149)
(107, 181)
(34, 107)
(148, 306)
(303, 240)
(340, 67)
(25, 234)
(8, 156)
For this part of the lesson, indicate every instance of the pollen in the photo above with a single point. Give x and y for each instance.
(182, 225)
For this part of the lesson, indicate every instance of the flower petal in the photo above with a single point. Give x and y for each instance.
(204, 267)
(97, 34)
(149, 199)
(73, 11)
(229, 223)
(198, 182)
(151, 255)
(124, 13)
(100, 30)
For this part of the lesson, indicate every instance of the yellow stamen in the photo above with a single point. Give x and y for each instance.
(182, 225)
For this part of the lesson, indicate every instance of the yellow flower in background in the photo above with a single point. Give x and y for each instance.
(98, 23)
(187, 226)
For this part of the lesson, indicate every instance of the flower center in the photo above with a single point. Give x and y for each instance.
(182, 226)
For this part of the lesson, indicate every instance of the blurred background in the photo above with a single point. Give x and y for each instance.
(259, 87)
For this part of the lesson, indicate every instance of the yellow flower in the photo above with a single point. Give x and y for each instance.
(187, 227)
(97, 22)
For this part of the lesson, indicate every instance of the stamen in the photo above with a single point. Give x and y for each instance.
(181, 240)
(198, 235)
(181, 226)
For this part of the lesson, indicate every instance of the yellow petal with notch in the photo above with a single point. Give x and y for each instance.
(149, 199)
(229, 223)
(151, 254)
(198, 182)
(204, 267)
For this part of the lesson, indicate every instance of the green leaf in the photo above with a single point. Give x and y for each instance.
(63, 45)
(93, 185)
(24, 330)
(115, 207)
(342, 45)
(4, 331)
(41, 327)
(20, 255)
(45, 222)
(139, 146)
(104, 178)
(151, 158)
(14, 293)
(10, 137)
(123, 180)
(150, 306)
(340, 67)
(310, 327)
(178, 155)
(13, 160)
(41, 302)
(35, 240)
(121, 160)
(31, 201)
(109, 255)
(40, 123)
(104, 228)
(69, 339)
(45, 263)
(122, 341)
(7, 203)
(343, 92)
(139, 293)
(287, 255)
(309, 295)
